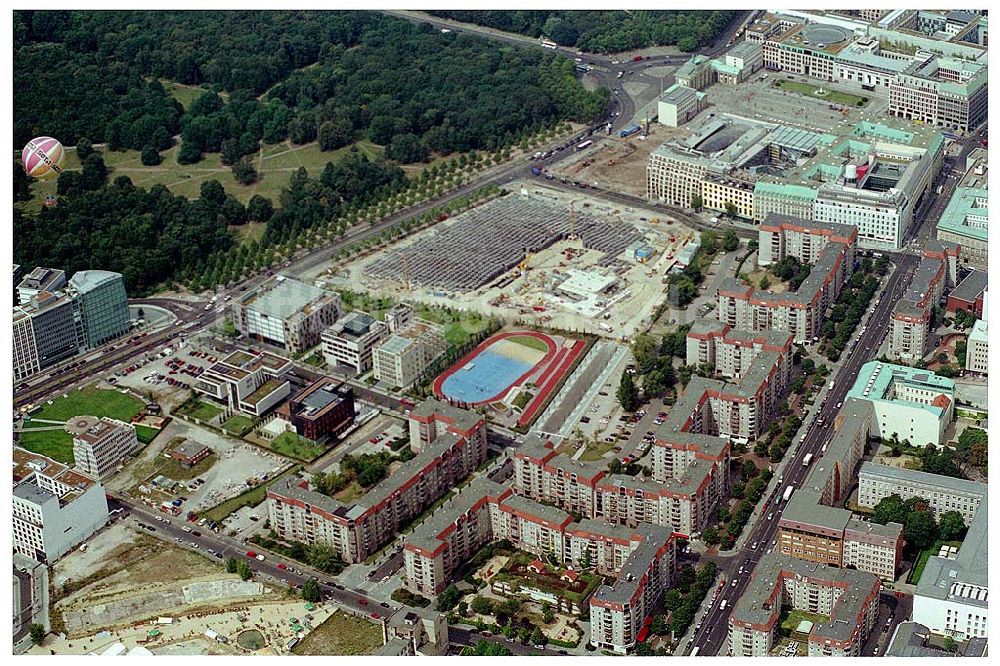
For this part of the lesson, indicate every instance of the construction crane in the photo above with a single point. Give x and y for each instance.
(524, 263)
(572, 222)
(406, 271)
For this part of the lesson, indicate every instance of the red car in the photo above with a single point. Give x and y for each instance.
(282, 566)
(363, 602)
(251, 554)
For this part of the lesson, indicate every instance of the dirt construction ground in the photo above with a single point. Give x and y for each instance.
(619, 164)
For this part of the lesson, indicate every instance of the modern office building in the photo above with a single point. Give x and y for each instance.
(286, 313)
(873, 176)
(943, 493)
(18, 276)
(23, 345)
(952, 595)
(940, 91)
(964, 223)
(830, 248)
(910, 403)
(101, 445)
(351, 339)
(978, 349)
(39, 280)
(450, 444)
(679, 104)
(55, 507)
(322, 410)
(402, 358)
(247, 381)
(847, 599)
(44, 333)
(100, 307)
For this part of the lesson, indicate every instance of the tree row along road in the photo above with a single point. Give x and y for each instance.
(715, 625)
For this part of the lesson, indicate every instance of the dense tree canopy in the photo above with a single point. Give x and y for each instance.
(606, 31)
(335, 76)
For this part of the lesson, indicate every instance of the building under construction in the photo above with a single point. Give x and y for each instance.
(488, 241)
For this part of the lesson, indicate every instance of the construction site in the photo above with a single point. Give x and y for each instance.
(540, 256)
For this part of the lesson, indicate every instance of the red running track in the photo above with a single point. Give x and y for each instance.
(462, 362)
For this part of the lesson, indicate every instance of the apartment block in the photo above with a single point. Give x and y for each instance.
(731, 352)
(910, 403)
(286, 313)
(830, 248)
(546, 476)
(350, 341)
(405, 355)
(876, 482)
(101, 445)
(450, 445)
(848, 599)
(642, 559)
(55, 507)
(249, 381)
(911, 316)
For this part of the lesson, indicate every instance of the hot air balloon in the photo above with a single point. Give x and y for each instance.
(43, 157)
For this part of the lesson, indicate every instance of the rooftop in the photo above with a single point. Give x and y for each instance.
(963, 579)
(264, 390)
(84, 281)
(879, 381)
(924, 479)
(284, 298)
(972, 287)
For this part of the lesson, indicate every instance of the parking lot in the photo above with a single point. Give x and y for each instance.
(167, 374)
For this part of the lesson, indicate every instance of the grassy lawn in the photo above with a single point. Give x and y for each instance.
(252, 497)
(91, 401)
(523, 398)
(530, 342)
(275, 164)
(341, 634)
(597, 452)
(918, 566)
(56, 444)
(352, 492)
(202, 411)
(797, 616)
(238, 425)
(145, 434)
(186, 94)
(832, 96)
(295, 446)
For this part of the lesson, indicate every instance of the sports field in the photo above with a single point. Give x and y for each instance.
(492, 368)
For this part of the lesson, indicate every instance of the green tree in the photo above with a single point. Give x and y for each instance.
(920, 530)
(891, 509)
(711, 536)
(150, 156)
(537, 637)
(232, 565)
(243, 569)
(764, 282)
(697, 202)
(547, 615)
(37, 632)
(952, 526)
(628, 395)
(311, 591)
(324, 558)
(448, 599)
(730, 242)
(709, 242)
(259, 209)
(484, 649)
(949, 645)
(482, 606)
(245, 172)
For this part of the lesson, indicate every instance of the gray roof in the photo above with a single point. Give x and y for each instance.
(972, 286)
(963, 579)
(426, 534)
(925, 479)
(755, 606)
(678, 94)
(84, 281)
(461, 418)
(922, 276)
(636, 566)
(544, 512)
(805, 507)
(31, 492)
(908, 309)
(284, 298)
(910, 640)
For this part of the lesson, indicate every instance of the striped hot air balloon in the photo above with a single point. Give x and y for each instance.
(43, 157)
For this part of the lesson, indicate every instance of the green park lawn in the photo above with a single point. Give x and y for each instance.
(295, 446)
(238, 425)
(202, 411)
(832, 96)
(90, 401)
(56, 444)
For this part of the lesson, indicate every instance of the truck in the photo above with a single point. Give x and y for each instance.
(830, 387)
(788, 493)
(807, 460)
(584, 145)
(536, 170)
(549, 44)
(629, 131)
(637, 58)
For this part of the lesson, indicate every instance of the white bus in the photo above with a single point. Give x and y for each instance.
(694, 652)
(585, 144)
(549, 44)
